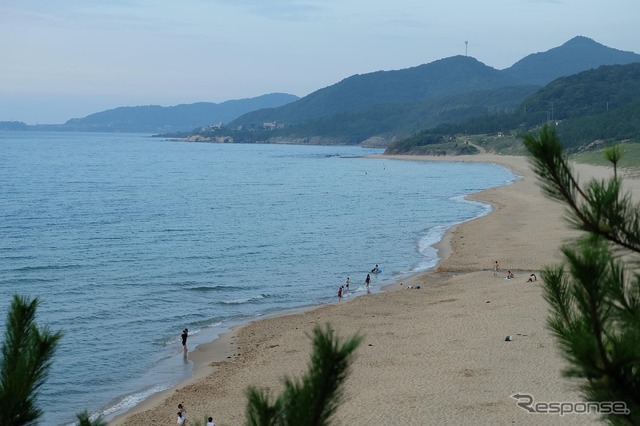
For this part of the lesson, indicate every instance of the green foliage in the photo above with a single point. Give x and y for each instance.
(386, 119)
(614, 154)
(313, 399)
(427, 143)
(84, 419)
(595, 295)
(588, 93)
(600, 104)
(596, 104)
(26, 358)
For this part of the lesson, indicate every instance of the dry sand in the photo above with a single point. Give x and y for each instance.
(435, 355)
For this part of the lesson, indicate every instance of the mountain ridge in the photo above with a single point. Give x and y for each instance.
(380, 104)
(429, 83)
(578, 53)
(156, 118)
(596, 107)
(447, 76)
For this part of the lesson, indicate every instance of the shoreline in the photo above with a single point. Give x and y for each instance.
(253, 352)
(206, 357)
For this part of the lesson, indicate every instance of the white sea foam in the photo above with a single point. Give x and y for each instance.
(127, 402)
(242, 300)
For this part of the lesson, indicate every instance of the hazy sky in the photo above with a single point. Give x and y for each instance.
(61, 59)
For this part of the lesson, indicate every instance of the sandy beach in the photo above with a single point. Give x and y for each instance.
(435, 355)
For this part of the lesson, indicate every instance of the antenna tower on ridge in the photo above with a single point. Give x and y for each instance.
(466, 48)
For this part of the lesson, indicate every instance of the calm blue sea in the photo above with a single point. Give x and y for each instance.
(127, 239)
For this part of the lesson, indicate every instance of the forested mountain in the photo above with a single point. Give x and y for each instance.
(388, 105)
(155, 118)
(396, 120)
(445, 77)
(599, 104)
(577, 55)
(376, 107)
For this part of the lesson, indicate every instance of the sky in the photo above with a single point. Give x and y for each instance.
(66, 59)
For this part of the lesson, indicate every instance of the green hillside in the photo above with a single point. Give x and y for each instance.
(596, 105)
(574, 56)
(438, 79)
(388, 105)
(630, 157)
(403, 119)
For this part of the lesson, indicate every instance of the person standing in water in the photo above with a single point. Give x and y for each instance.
(367, 280)
(183, 336)
(340, 293)
(346, 283)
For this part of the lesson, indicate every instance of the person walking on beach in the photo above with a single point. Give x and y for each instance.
(496, 266)
(340, 293)
(367, 280)
(346, 283)
(182, 420)
(210, 422)
(183, 336)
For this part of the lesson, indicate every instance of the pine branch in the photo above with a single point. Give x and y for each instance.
(313, 399)
(26, 359)
(598, 209)
(595, 308)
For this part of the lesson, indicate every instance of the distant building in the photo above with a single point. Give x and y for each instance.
(270, 125)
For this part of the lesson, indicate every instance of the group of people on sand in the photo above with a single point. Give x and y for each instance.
(182, 416)
(347, 283)
(510, 275)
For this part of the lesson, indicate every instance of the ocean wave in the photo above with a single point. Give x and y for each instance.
(17, 281)
(47, 268)
(427, 249)
(434, 235)
(244, 300)
(486, 208)
(205, 288)
(129, 401)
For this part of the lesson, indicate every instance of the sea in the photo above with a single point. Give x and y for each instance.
(127, 239)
